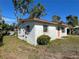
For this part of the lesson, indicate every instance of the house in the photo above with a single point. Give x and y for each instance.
(31, 29)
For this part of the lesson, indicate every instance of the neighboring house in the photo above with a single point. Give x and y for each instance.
(31, 29)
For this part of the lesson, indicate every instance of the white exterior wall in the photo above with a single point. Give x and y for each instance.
(31, 37)
(65, 33)
(37, 31)
(52, 32)
(21, 34)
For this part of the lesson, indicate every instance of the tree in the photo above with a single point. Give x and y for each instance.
(1, 32)
(56, 18)
(1, 19)
(37, 11)
(72, 20)
(69, 20)
(0, 15)
(21, 7)
(75, 20)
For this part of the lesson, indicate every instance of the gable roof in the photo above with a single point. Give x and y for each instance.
(42, 21)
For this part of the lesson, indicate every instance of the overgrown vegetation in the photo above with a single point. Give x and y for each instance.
(69, 43)
(65, 48)
(43, 40)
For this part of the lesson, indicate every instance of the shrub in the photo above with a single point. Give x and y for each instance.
(1, 39)
(43, 40)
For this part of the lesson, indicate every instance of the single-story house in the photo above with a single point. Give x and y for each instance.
(30, 29)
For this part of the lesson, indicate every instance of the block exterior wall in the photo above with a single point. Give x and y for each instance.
(52, 32)
(37, 31)
(30, 37)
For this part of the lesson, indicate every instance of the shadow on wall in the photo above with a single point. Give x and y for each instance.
(28, 29)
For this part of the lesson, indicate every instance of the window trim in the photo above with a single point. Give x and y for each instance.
(45, 28)
(63, 30)
(27, 30)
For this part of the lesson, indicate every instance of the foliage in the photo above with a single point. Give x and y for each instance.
(24, 6)
(0, 14)
(37, 11)
(66, 47)
(1, 38)
(1, 31)
(56, 18)
(43, 40)
(21, 6)
(6, 27)
(75, 20)
(72, 20)
(70, 43)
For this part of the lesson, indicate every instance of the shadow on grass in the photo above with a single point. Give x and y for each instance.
(1, 44)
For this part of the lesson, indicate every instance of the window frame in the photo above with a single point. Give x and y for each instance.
(27, 28)
(45, 28)
(63, 29)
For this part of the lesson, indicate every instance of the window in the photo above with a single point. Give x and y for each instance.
(45, 28)
(58, 28)
(63, 29)
(27, 28)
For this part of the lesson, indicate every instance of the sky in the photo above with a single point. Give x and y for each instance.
(61, 8)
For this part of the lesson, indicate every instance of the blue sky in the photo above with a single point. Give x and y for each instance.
(61, 8)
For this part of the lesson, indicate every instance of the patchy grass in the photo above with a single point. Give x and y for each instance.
(14, 48)
(71, 43)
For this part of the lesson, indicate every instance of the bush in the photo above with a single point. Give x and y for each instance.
(1, 39)
(43, 40)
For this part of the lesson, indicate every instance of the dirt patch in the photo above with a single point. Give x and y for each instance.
(14, 48)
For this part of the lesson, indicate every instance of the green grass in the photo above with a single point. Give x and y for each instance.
(71, 43)
(15, 48)
(12, 45)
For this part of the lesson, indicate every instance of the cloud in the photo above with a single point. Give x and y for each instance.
(9, 20)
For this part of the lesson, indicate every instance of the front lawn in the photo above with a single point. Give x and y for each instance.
(70, 43)
(14, 48)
